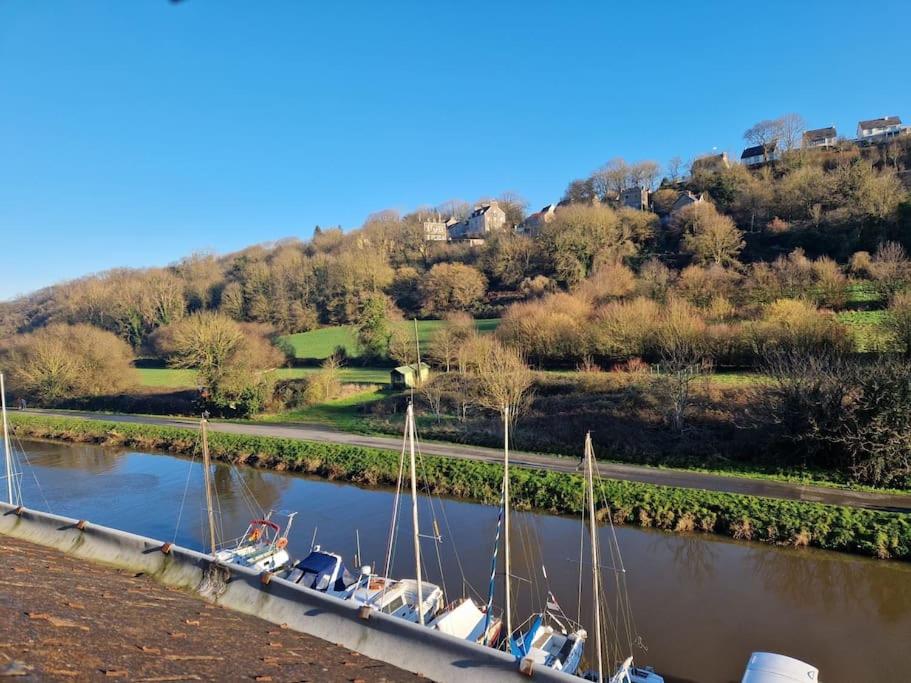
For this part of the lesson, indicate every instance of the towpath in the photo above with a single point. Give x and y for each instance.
(651, 475)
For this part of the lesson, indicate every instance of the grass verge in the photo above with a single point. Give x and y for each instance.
(868, 532)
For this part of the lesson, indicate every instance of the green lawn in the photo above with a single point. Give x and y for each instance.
(321, 343)
(167, 378)
(343, 413)
(863, 294)
(868, 330)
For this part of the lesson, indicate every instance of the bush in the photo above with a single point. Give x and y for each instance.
(452, 287)
(65, 362)
(233, 360)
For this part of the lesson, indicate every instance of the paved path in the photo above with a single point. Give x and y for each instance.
(651, 475)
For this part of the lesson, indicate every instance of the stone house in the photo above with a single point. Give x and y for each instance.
(685, 199)
(635, 198)
(435, 231)
(532, 225)
(485, 218)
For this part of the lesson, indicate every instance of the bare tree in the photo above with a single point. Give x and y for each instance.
(433, 392)
(675, 168)
(765, 134)
(643, 174)
(684, 359)
(610, 179)
(786, 130)
(503, 378)
(792, 128)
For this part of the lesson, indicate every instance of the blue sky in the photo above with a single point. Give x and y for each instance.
(133, 133)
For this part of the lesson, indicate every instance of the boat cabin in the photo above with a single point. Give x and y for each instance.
(324, 572)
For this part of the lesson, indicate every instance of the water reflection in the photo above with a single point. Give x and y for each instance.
(701, 603)
(852, 580)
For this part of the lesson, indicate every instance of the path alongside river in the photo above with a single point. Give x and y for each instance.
(65, 619)
(640, 473)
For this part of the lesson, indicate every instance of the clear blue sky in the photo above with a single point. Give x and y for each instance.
(133, 133)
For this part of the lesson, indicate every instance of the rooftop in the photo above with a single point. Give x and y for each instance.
(880, 123)
(820, 133)
(759, 150)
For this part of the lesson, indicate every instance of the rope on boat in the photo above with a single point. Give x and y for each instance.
(623, 604)
(186, 488)
(18, 479)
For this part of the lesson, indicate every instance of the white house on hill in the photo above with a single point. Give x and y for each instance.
(876, 130)
(758, 155)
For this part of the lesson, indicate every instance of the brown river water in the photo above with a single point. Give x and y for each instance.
(700, 603)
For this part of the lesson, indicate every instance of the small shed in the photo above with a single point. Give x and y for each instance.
(406, 376)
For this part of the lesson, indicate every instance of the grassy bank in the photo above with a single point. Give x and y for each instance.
(879, 534)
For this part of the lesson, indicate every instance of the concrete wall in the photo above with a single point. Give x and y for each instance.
(409, 646)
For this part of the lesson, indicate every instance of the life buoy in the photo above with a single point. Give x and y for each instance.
(255, 534)
(281, 543)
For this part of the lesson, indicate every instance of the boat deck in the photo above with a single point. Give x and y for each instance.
(65, 619)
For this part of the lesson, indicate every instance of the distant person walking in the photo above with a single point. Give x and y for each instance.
(22, 404)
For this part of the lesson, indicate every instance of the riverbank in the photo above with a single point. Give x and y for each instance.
(876, 533)
(56, 629)
(752, 484)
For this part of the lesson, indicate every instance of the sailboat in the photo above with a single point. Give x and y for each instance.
(412, 599)
(263, 545)
(14, 492)
(547, 642)
(626, 672)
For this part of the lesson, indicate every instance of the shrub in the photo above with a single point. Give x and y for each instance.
(62, 362)
(898, 320)
(451, 287)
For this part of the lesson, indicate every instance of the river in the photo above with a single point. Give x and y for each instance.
(701, 603)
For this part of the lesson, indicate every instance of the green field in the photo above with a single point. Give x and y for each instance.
(868, 330)
(167, 378)
(171, 378)
(322, 343)
(863, 294)
(342, 413)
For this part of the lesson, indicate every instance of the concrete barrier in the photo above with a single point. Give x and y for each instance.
(408, 646)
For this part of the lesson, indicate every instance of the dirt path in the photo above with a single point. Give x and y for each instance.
(65, 619)
(650, 475)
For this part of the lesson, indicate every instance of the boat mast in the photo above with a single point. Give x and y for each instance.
(207, 480)
(7, 453)
(596, 572)
(506, 519)
(409, 419)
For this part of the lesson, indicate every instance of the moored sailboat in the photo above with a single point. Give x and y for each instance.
(13, 490)
(547, 641)
(626, 672)
(263, 545)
